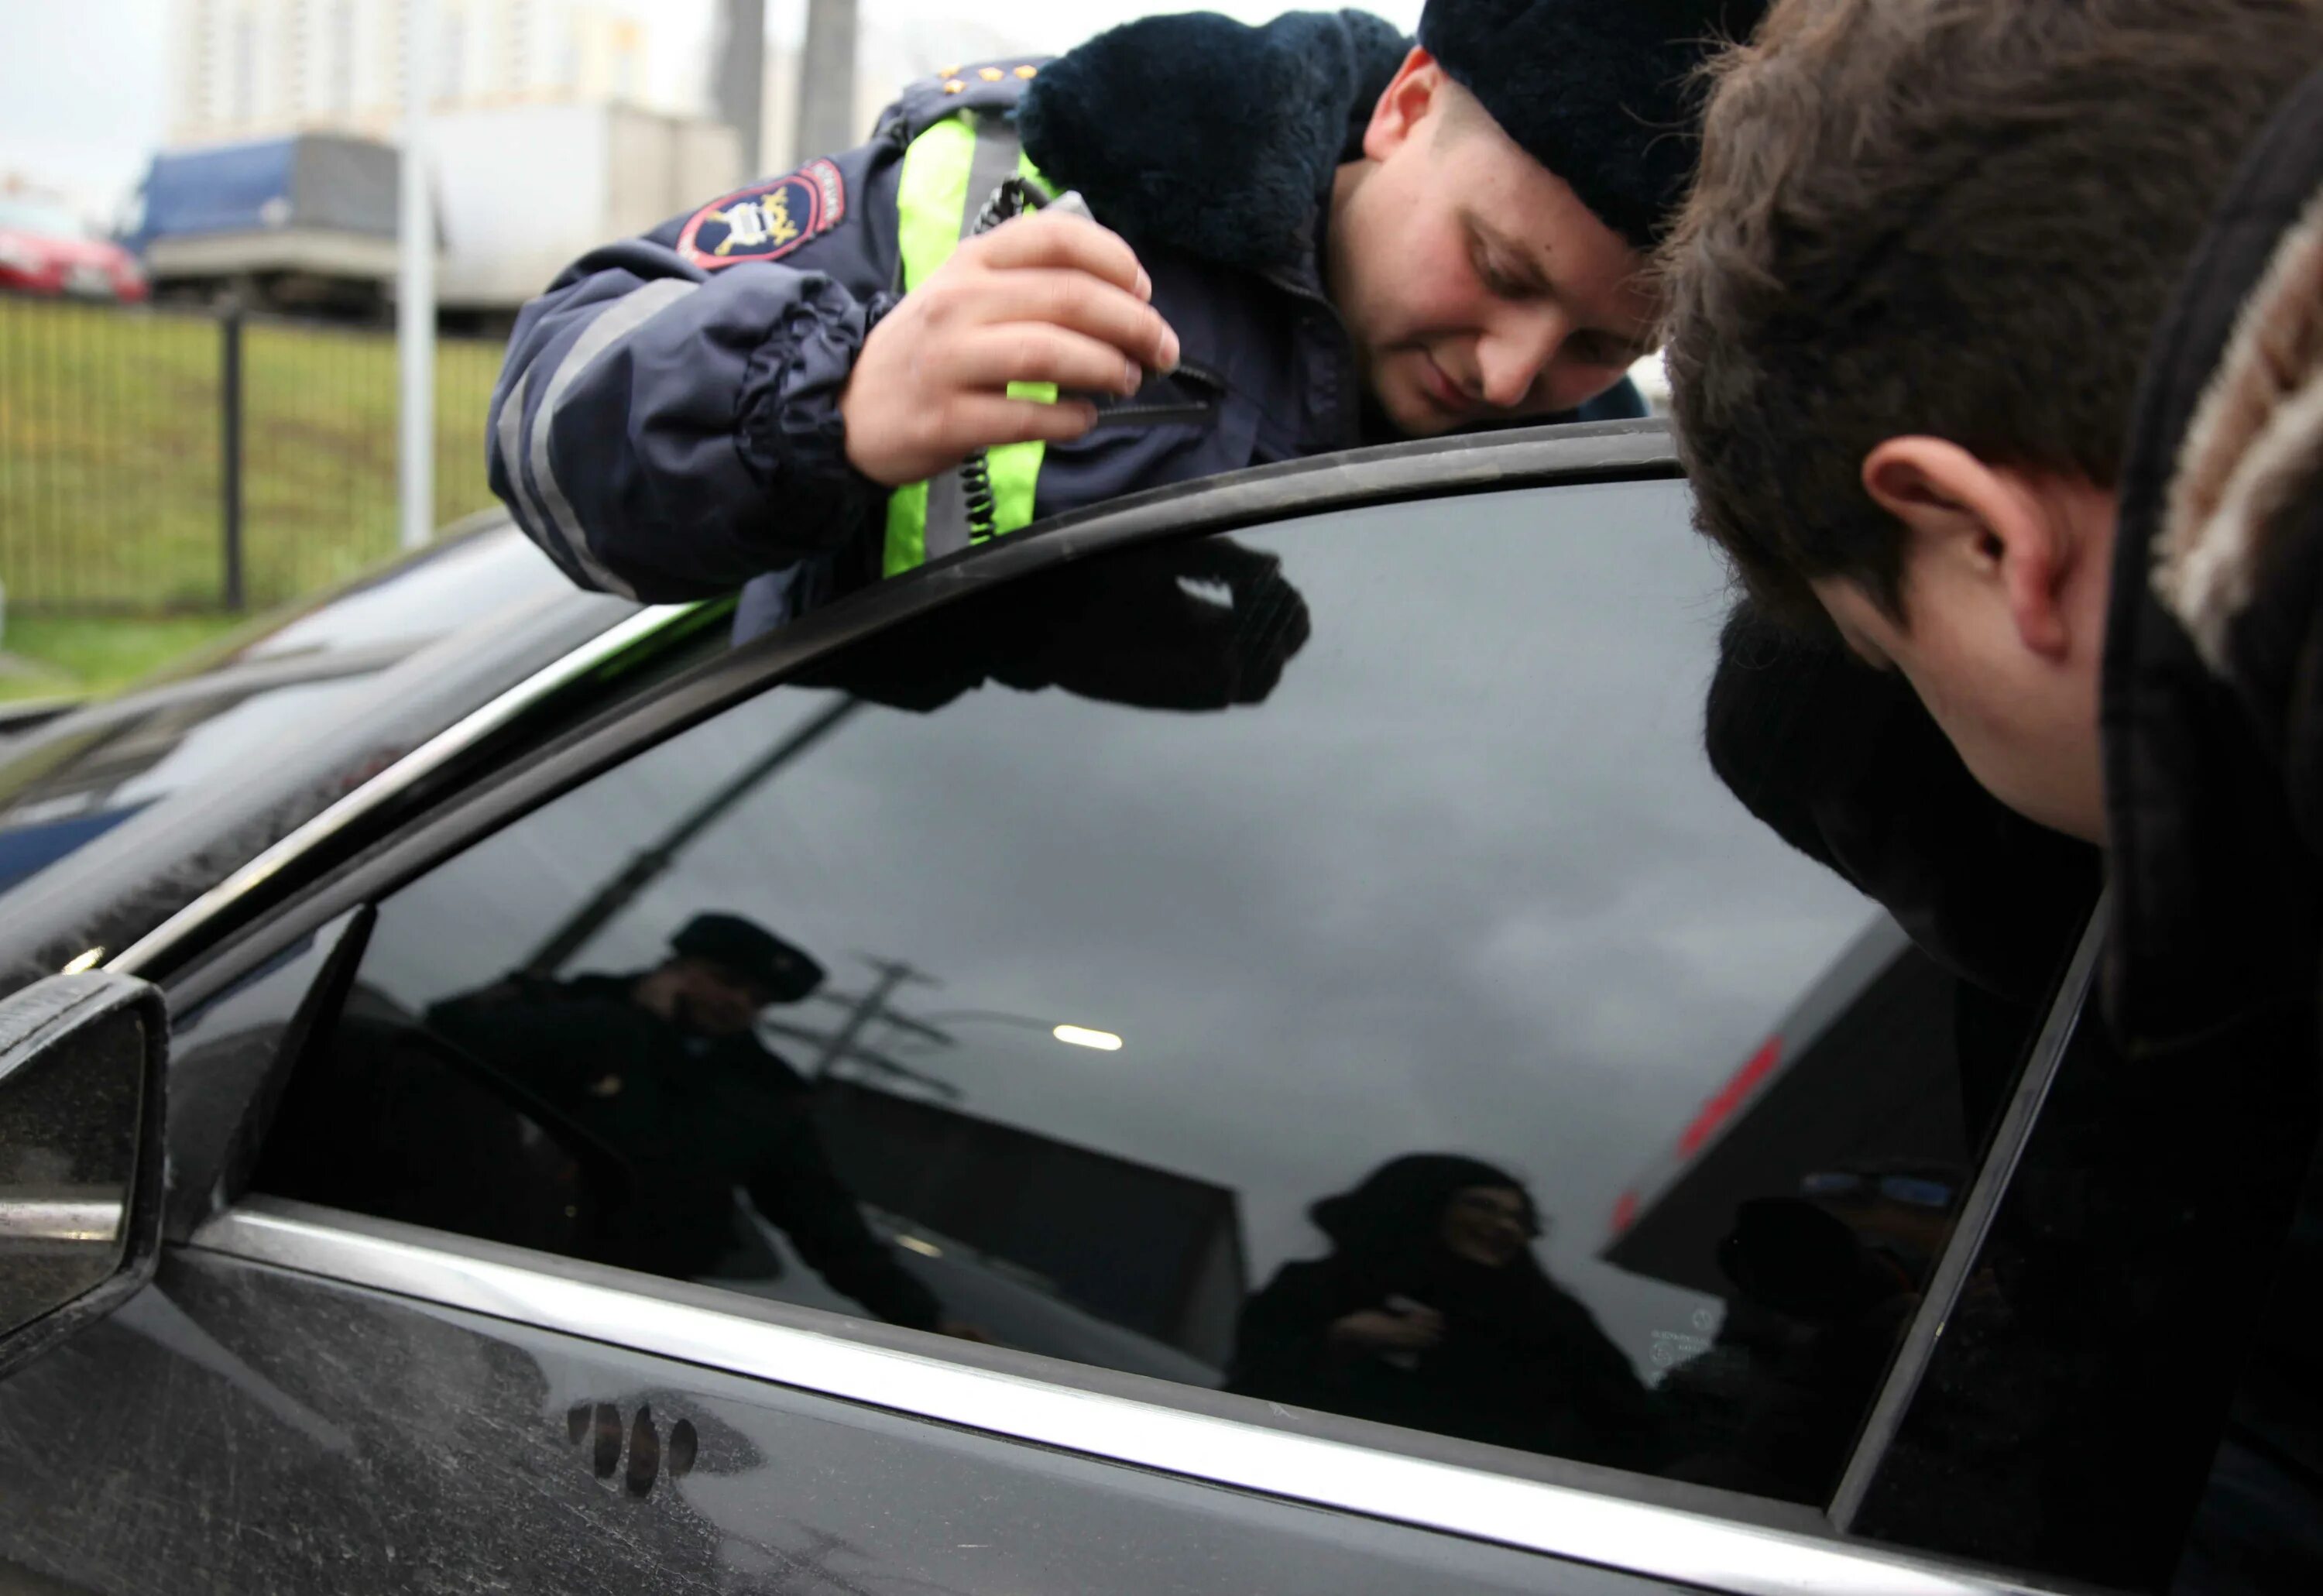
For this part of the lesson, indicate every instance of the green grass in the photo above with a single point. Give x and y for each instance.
(110, 442)
(49, 656)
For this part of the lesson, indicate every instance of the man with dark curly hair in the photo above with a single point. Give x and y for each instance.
(1996, 351)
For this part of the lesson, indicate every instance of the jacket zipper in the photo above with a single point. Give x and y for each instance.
(1350, 426)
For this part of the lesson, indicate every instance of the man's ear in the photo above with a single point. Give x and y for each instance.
(1403, 105)
(1982, 523)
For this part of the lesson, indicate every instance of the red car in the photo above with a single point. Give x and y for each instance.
(45, 249)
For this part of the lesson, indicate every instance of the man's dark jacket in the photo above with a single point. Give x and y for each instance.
(2197, 1135)
(666, 425)
(691, 1119)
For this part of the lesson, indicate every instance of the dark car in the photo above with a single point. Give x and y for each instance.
(1260, 932)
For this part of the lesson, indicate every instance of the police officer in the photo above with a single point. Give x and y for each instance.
(663, 1066)
(1314, 234)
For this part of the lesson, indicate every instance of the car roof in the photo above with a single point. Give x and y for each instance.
(143, 798)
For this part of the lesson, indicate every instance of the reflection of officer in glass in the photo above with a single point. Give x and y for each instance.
(1432, 1312)
(663, 1066)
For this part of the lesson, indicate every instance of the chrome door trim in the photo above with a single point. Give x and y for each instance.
(1975, 1222)
(1563, 1521)
(430, 756)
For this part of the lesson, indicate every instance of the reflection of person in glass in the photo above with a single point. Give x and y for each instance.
(1432, 1312)
(664, 1066)
(1825, 1281)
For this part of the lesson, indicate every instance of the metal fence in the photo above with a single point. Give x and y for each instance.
(153, 461)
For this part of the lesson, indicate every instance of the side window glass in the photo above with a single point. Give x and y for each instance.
(1316, 964)
(2123, 1393)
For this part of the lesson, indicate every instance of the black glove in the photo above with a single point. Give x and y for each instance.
(1203, 623)
(1200, 625)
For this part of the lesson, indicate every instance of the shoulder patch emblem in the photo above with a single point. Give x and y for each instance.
(767, 221)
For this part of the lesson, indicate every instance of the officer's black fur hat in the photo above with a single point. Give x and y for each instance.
(751, 951)
(1219, 139)
(1207, 135)
(1603, 93)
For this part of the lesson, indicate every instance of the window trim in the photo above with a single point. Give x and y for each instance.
(1969, 1231)
(719, 1330)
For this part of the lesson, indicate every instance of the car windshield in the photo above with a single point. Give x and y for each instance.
(76, 779)
(30, 215)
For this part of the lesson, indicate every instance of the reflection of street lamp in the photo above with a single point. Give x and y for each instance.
(1079, 1036)
(875, 1006)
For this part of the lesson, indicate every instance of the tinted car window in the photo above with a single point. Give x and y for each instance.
(1317, 963)
(2125, 1391)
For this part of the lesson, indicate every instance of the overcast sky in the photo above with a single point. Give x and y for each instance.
(83, 95)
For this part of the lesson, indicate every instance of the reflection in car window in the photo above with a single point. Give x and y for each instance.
(2123, 1393)
(1317, 963)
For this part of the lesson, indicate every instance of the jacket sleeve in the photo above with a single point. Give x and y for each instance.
(667, 426)
(528, 1029)
(795, 1187)
(1282, 1349)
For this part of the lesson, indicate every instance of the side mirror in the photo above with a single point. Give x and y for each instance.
(81, 1084)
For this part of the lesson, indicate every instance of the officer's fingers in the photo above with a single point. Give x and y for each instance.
(982, 421)
(1082, 304)
(1074, 243)
(1035, 352)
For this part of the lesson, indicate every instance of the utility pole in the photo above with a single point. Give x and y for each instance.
(826, 82)
(889, 973)
(415, 289)
(649, 864)
(737, 77)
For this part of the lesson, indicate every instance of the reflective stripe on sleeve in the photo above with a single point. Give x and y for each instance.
(616, 322)
(508, 445)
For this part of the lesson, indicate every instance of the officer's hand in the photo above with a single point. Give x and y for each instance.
(1037, 299)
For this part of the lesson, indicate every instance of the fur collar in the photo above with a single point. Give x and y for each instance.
(1209, 136)
(2254, 450)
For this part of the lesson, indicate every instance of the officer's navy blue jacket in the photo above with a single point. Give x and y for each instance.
(667, 426)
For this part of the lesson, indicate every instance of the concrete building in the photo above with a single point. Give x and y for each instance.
(256, 68)
(544, 138)
(887, 58)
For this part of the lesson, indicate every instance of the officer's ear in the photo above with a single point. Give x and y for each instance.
(1415, 91)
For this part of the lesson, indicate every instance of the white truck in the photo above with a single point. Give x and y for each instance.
(307, 221)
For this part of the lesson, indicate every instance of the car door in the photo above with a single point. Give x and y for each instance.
(1372, 1113)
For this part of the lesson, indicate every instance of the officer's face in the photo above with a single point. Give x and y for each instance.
(1476, 286)
(710, 1000)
